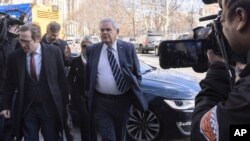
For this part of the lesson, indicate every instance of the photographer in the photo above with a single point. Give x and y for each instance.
(217, 105)
(6, 47)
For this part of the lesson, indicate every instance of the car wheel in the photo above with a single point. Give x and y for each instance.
(156, 51)
(141, 49)
(143, 126)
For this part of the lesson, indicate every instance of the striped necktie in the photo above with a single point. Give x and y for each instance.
(119, 79)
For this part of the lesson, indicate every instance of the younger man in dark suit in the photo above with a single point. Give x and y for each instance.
(36, 71)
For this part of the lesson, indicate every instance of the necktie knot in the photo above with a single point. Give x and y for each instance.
(32, 54)
(109, 48)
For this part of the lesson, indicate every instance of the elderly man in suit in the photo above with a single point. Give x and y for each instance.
(36, 71)
(112, 82)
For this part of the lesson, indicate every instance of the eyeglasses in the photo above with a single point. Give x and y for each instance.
(24, 41)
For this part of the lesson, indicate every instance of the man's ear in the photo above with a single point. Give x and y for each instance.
(243, 19)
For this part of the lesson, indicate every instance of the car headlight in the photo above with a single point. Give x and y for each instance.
(180, 104)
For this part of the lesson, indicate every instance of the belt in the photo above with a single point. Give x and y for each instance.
(111, 96)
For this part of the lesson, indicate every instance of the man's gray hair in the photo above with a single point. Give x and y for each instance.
(110, 20)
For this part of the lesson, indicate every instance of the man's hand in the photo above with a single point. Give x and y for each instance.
(5, 113)
(14, 29)
(212, 57)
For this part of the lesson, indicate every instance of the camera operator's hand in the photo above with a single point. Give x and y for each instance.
(212, 57)
(14, 29)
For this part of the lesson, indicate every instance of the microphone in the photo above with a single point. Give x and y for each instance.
(209, 1)
(210, 17)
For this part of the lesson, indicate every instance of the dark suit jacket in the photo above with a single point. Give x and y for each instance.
(129, 65)
(55, 75)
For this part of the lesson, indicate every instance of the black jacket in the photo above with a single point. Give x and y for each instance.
(8, 45)
(76, 77)
(217, 107)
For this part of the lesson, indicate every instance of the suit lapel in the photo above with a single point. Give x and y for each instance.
(46, 57)
(121, 53)
(96, 57)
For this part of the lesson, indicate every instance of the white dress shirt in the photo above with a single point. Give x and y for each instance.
(105, 79)
(38, 61)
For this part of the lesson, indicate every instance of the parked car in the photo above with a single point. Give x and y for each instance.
(184, 36)
(131, 40)
(170, 95)
(149, 42)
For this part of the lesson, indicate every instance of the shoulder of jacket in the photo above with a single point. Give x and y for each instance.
(17, 51)
(123, 43)
(94, 46)
(62, 42)
(49, 47)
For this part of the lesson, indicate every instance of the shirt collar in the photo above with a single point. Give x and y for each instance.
(114, 46)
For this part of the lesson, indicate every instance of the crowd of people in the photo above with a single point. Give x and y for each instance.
(39, 80)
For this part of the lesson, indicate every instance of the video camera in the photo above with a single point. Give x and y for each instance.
(192, 52)
(6, 20)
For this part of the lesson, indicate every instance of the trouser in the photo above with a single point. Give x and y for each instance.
(110, 115)
(35, 119)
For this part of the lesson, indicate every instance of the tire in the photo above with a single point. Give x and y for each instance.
(143, 126)
(141, 49)
(157, 51)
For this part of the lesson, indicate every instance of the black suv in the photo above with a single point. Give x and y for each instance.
(149, 42)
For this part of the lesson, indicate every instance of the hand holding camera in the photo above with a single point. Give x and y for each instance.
(212, 57)
(14, 29)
